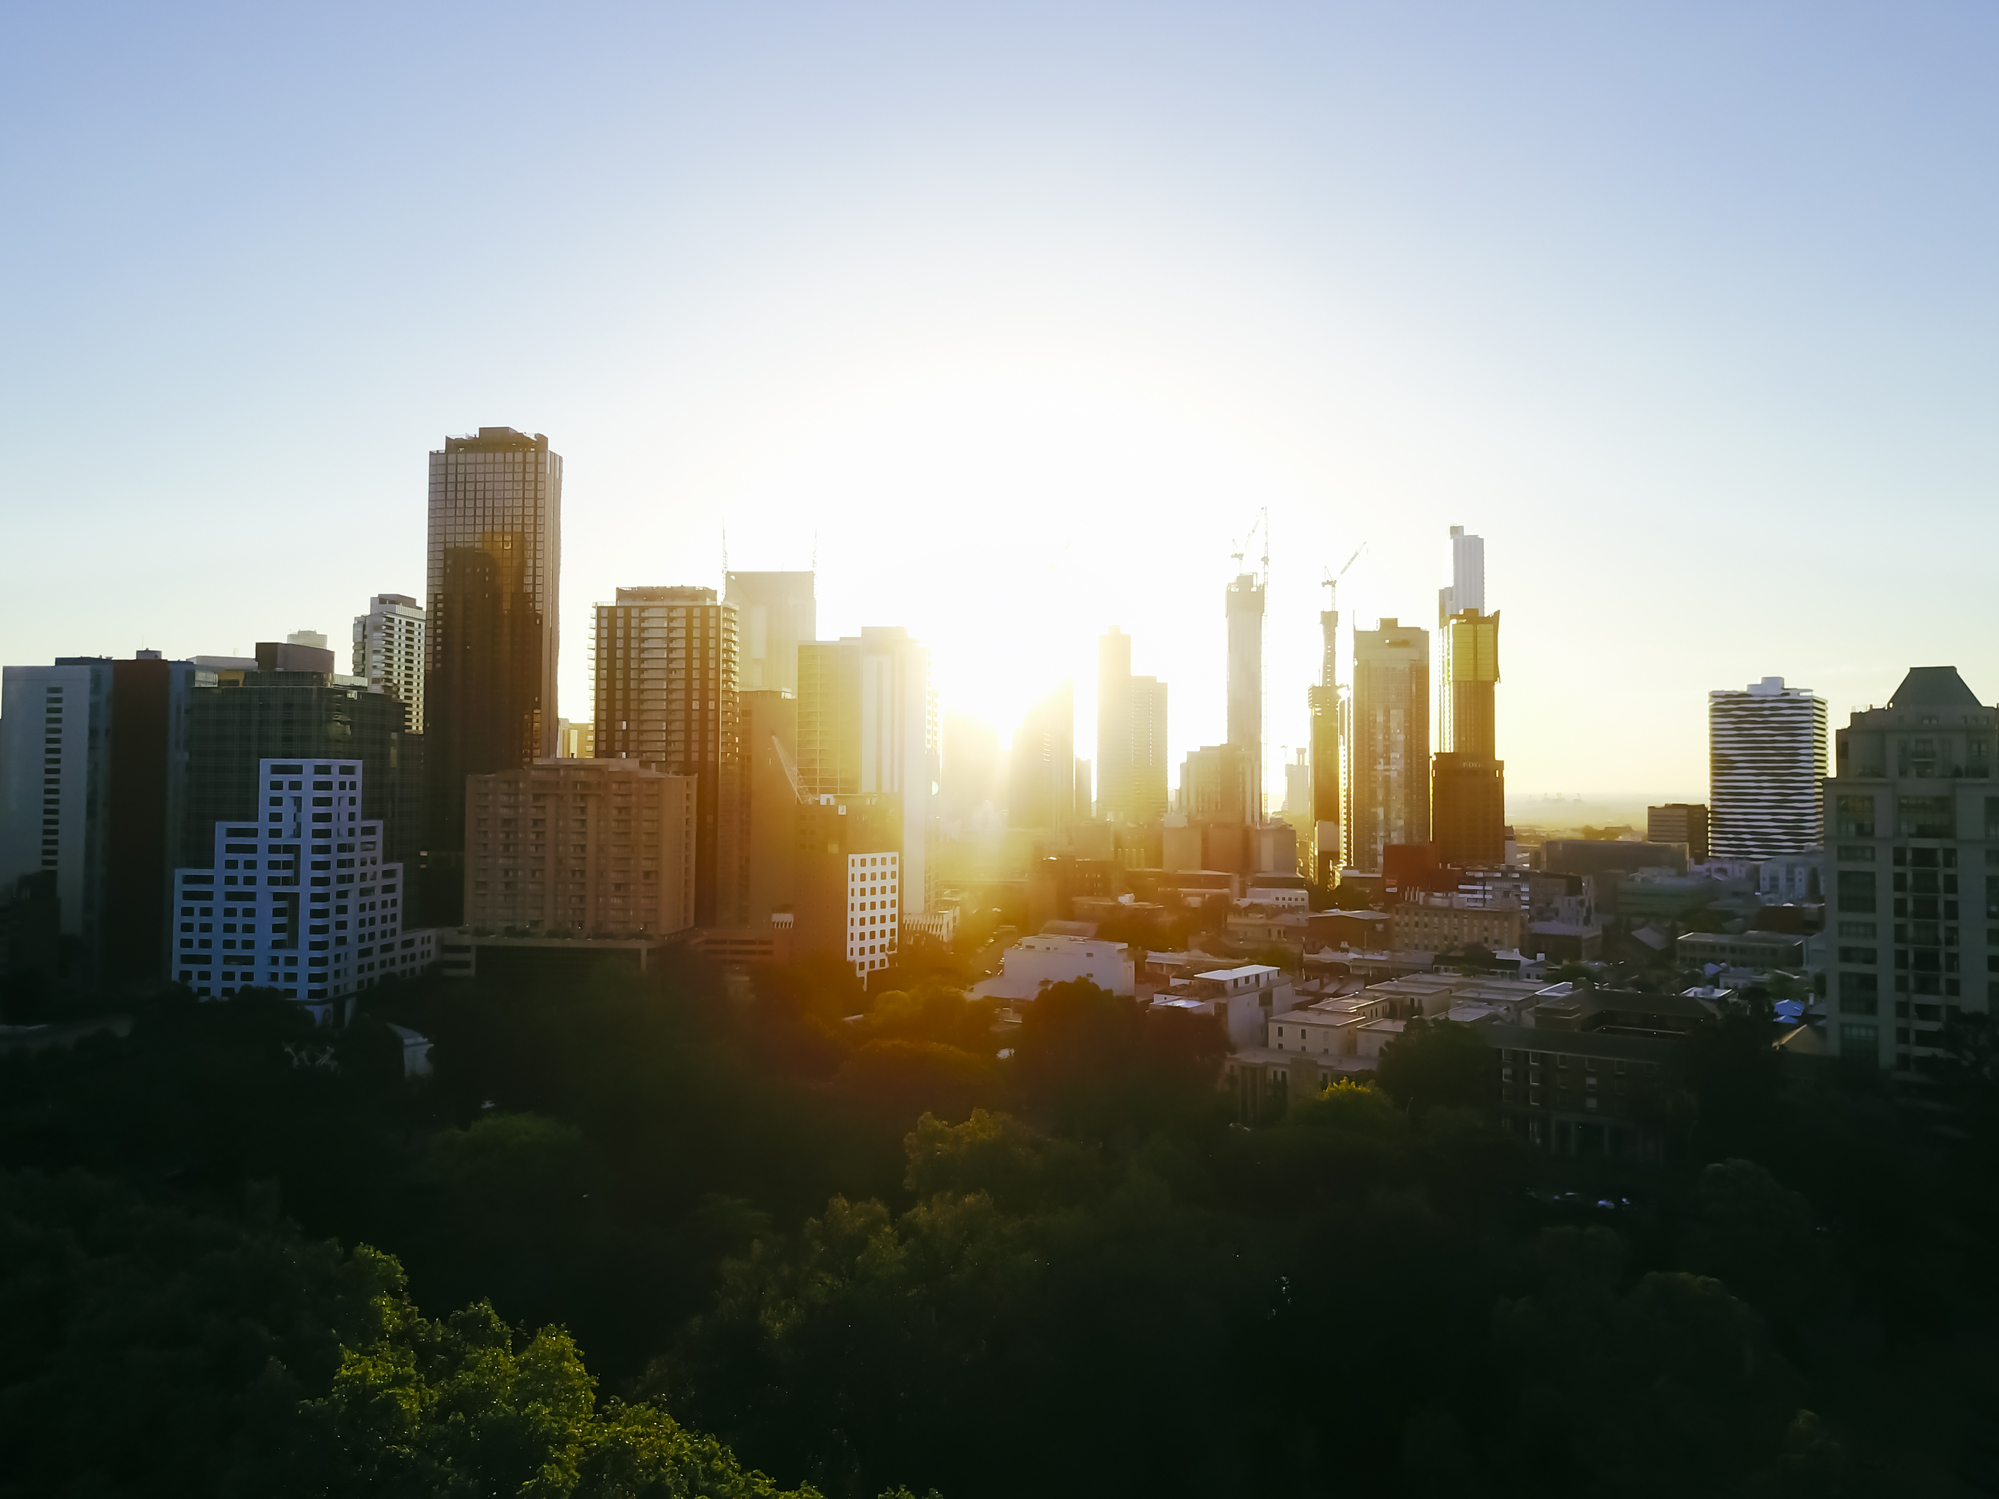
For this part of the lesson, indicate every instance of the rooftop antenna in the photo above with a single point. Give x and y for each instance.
(725, 554)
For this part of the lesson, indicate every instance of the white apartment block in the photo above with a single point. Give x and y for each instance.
(874, 909)
(597, 848)
(298, 899)
(388, 652)
(1766, 757)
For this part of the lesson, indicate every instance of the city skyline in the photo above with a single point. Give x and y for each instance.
(1641, 299)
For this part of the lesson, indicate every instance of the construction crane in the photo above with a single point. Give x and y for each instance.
(1262, 523)
(1331, 582)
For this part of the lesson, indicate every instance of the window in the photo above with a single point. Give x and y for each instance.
(1859, 993)
(1858, 853)
(1857, 891)
(1859, 1043)
(1855, 816)
(1924, 817)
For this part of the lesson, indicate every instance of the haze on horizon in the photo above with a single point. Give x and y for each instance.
(1016, 318)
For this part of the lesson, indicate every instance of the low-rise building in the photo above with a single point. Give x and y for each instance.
(1756, 951)
(1442, 922)
(1243, 998)
(1586, 1093)
(1035, 962)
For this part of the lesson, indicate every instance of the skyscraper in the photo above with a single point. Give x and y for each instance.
(1913, 814)
(492, 595)
(1131, 736)
(1328, 710)
(665, 695)
(867, 725)
(388, 652)
(1041, 789)
(1245, 615)
(1766, 756)
(1389, 788)
(1467, 590)
(775, 613)
(91, 791)
(1468, 780)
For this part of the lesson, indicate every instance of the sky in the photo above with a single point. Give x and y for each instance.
(1016, 318)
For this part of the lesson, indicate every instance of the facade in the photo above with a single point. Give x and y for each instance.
(1389, 785)
(1244, 603)
(575, 741)
(1216, 782)
(867, 726)
(1468, 810)
(1468, 780)
(1584, 1092)
(1766, 756)
(874, 909)
(1467, 590)
(664, 668)
(389, 653)
(1468, 671)
(766, 807)
(92, 795)
(1131, 737)
(851, 880)
(1680, 822)
(1426, 922)
(1758, 952)
(586, 848)
(491, 626)
(1041, 791)
(1912, 814)
(775, 614)
(296, 896)
(1327, 710)
(290, 711)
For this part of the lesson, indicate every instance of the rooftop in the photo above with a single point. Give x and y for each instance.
(1934, 687)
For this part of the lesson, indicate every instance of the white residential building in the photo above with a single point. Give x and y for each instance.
(1766, 757)
(388, 652)
(1050, 959)
(874, 909)
(298, 899)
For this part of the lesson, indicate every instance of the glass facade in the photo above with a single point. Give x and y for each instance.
(494, 561)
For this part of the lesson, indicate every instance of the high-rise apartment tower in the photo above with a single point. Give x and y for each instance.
(665, 669)
(1245, 615)
(1913, 817)
(492, 597)
(867, 725)
(1389, 789)
(1131, 736)
(775, 614)
(1766, 756)
(388, 652)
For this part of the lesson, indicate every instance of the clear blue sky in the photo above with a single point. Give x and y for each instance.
(1024, 311)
